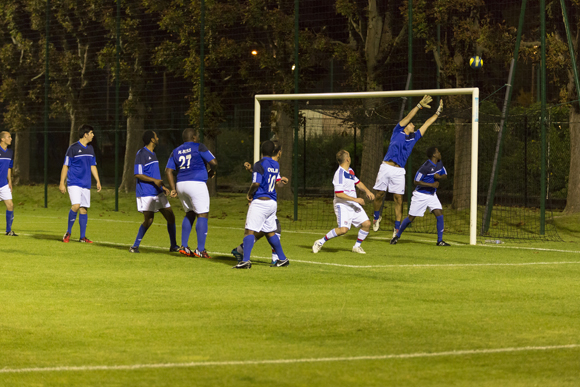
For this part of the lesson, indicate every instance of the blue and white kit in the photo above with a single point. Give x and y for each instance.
(262, 212)
(150, 197)
(426, 197)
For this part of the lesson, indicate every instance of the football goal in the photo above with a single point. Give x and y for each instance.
(348, 112)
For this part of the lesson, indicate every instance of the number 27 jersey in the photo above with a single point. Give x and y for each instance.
(189, 160)
(267, 173)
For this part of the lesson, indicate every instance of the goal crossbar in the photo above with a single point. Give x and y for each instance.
(474, 92)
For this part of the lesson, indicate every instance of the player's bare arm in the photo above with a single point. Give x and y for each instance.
(171, 180)
(63, 174)
(157, 182)
(248, 167)
(344, 196)
(440, 177)
(212, 168)
(431, 120)
(424, 184)
(367, 192)
(10, 179)
(95, 174)
(424, 103)
(253, 188)
(282, 182)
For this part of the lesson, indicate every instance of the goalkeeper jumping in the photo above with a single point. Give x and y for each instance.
(391, 176)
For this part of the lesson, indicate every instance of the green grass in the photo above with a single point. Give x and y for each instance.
(77, 305)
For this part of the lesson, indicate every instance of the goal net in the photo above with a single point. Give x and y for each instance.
(312, 128)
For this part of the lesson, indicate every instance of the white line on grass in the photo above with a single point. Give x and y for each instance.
(285, 361)
(372, 266)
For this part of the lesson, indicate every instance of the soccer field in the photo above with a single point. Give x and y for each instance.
(411, 314)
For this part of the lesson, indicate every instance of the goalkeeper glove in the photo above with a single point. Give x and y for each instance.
(425, 102)
(440, 108)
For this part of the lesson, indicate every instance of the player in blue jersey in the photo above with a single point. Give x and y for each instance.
(347, 206)
(238, 252)
(191, 160)
(6, 165)
(425, 195)
(263, 205)
(79, 165)
(150, 191)
(391, 176)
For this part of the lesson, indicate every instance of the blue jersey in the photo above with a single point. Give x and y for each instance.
(146, 163)
(189, 160)
(6, 163)
(79, 159)
(427, 174)
(267, 173)
(401, 145)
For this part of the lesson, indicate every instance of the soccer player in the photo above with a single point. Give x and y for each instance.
(238, 252)
(79, 164)
(263, 206)
(6, 164)
(347, 206)
(191, 160)
(391, 176)
(151, 193)
(425, 195)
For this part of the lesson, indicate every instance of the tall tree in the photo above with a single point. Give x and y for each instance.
(20, 90)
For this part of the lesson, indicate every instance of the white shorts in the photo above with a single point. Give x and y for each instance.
(421, 202)
(391, 179)
(193, 196)
(5, 193)
(152, 203)
(80, 196)
(348, 214)
(262, 216)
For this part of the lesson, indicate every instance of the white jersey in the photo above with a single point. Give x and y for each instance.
(344, 181)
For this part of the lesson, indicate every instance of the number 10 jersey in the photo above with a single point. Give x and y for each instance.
(267, 173)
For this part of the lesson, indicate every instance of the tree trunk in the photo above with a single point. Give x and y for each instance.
(22, 157)
(135, 129)
(373, 152)
(462, 172)
(285, 133)
(573, 197)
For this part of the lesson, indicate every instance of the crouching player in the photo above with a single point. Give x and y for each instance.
(425, 196)
(347, 207)
(150, 192)
(262, 212)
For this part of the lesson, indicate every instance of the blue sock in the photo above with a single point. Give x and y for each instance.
(9, 219)
(186, 226)
(83, 219)
(248, 243)
(201, 230)
(140, 235)
(172, 234)
(72, 216)
(440, 227)
(376, 214)
(275, 243)
(406, 222)
(397, 225)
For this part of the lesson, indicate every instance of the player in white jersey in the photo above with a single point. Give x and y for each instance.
(347, 206)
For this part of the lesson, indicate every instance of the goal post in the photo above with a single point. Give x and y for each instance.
(474, 92)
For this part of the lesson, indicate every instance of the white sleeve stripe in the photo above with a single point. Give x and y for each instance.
(66, 161)
(140, 169)
(153, 162)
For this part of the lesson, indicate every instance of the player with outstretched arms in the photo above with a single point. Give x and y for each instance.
(79, 165)
(391, 176)
(347, 206)
(425, 195)
(6, 165)
(191, 160)
(150, 192)
(263, 206)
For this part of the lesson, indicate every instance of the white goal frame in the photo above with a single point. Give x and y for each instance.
(474, 92)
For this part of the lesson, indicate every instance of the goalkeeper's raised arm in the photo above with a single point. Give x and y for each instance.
(424, 103)
(433, 118)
